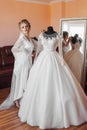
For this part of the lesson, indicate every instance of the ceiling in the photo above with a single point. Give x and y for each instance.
(43, 1)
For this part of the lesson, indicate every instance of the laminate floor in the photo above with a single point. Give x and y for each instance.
(10, 121)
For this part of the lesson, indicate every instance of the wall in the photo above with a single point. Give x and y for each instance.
(76, 8)
(40, 16)
(56, 14)
(12, 11)
(70, 9)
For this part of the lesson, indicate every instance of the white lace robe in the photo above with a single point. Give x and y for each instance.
(22, 51)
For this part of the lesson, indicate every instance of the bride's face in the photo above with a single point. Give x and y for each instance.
(24, 28)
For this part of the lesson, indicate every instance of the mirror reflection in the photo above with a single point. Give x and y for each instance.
(73, 32)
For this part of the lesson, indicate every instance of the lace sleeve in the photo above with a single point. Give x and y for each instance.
(39, 47)
(60, 48)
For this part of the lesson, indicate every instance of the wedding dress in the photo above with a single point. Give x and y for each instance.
(74, 58)
(53, 97)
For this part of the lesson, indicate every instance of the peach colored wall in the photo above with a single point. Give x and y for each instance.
(40, 16)
(12, 11)
(76, 8)
(70, 9)
(56, 13)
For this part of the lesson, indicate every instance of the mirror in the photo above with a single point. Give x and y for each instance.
(76, 62)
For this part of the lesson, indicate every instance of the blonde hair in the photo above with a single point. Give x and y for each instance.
(24, 21)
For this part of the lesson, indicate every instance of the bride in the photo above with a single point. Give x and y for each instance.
(22, 51)
(53, 97)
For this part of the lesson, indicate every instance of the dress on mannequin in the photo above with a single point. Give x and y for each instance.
(53, 97)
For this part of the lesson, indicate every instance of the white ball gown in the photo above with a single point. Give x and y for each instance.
(75, 60)
(53, 97)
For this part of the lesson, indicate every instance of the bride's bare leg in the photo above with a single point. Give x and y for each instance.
(17, 103)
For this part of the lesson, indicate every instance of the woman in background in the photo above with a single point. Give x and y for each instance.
(53, 94)
(22, 51)
(66, 42)
(74, 57)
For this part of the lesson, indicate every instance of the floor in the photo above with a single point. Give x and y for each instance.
(10, 121)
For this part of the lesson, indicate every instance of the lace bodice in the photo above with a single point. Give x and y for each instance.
(48, 43)
(75, 46)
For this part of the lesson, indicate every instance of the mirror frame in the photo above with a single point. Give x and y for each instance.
(83, 80)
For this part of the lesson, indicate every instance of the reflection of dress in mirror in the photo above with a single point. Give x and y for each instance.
(66, 42)
(74, 58)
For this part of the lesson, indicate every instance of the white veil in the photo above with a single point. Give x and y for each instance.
(9, 100)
